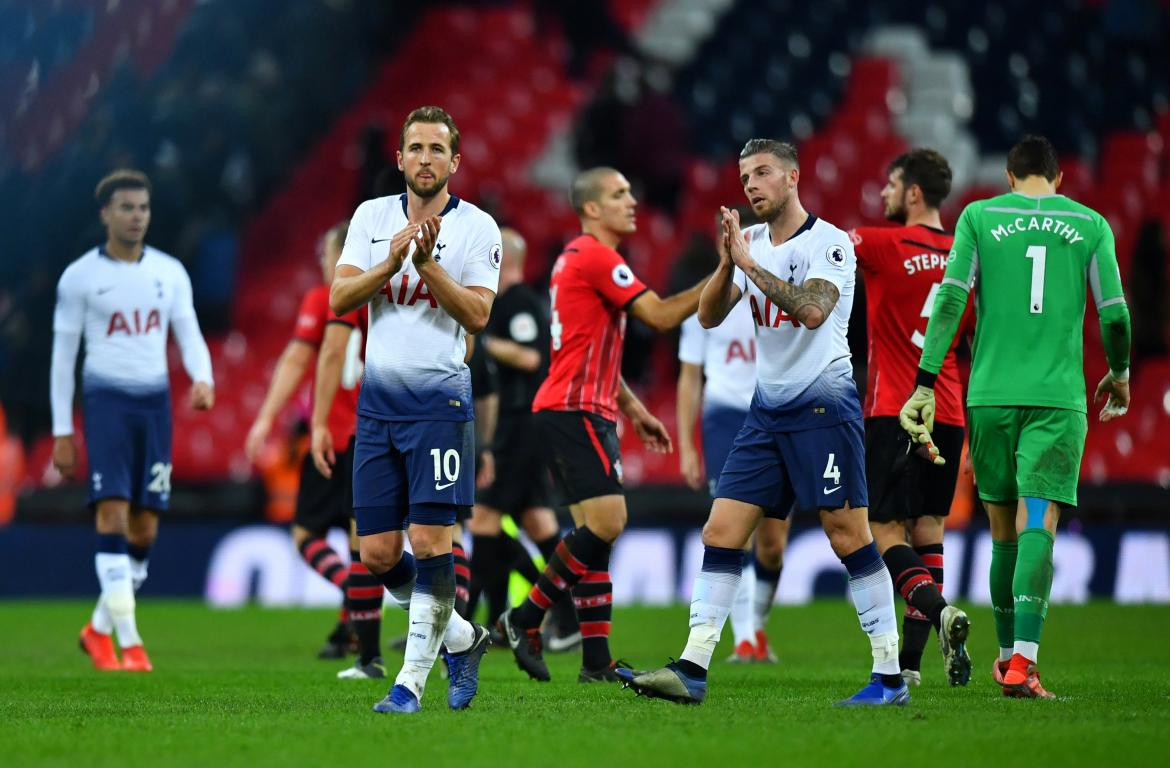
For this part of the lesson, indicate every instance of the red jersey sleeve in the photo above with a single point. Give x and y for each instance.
(312, 315)
(607, 273)
(869, 244)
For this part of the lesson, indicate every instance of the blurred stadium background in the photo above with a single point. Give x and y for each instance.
(264, 122)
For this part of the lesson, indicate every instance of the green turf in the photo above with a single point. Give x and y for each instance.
(242, 688)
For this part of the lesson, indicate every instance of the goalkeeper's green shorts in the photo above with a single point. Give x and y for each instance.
(1026, 451)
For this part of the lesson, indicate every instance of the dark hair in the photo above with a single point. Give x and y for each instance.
(781, 149)
(123, 178)
(586, 187)
(430, 115)
(1033, 156)
(929, 170)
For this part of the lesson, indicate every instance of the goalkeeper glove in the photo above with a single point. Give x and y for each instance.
(917, 418)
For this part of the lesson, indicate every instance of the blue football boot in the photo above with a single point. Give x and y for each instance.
(668, 682)
(400, 700)
(464, 670)
(876, 694)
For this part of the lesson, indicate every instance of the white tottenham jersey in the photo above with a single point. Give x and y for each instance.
(804, 377)
(124, 311)
(727, 353)
(414, 351)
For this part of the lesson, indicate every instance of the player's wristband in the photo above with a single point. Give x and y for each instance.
(925, 379)
(1122, 377)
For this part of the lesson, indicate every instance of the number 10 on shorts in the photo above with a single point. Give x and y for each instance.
(446, 465)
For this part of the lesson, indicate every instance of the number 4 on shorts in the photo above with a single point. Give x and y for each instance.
(831, 470)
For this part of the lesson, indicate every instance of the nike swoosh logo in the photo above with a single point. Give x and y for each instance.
(827, 491)
(100, 291)
(444, 485)
(867, 610)
(374, 242)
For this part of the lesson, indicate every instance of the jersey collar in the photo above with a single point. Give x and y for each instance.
(101, 249)
(805, 227)
(451, 205)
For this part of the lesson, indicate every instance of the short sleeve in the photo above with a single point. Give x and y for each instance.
(69, 314)
(356, 251)
(739, 280)
(833, 260)
(481, 265)
(311, 318)
(865, 246)
(184, 303)
(692, 341)
(607, 273)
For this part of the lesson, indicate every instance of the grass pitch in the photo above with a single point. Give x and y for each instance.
(242, 688)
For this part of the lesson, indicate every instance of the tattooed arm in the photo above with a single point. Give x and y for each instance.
(810, 302)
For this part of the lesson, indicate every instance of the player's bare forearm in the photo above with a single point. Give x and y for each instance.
(667, 314)
(330, 361)
(290, 370)
(810, 303)
(512, 354)
(487, 412)
(718, 296)
(353, 288)
(688, 402)
(949, 304)
(627, 401)
(470, 306)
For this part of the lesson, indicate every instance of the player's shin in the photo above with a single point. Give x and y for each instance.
(399, 580)
(462, 578)
(711, 599)
(1003, 569)
(743, 618)
(914, 582)
(1031, 587)
(574, 556)
(767, 580)
(593, 598)
(872, 591)
(363, 599)
(432, 603)
(114, 574)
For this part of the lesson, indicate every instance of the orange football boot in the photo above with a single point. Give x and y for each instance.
(745, 653)
(134, 659)
(99, 648)
(1023, 681)
(764, 653)
(998, 670)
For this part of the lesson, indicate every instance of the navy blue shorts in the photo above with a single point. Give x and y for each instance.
(411, 472)
(128, 439)
(819, 468)
(720, 426)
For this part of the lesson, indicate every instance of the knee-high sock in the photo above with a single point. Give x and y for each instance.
(913, 581)
(711, 600)
(593, 598)
(576, 554)
(1003, 604)
(363, 599)
(873, 597)
(432, 602)
(102, 621)
(483, 565)
(1030, 588)
(767, 579)
(114, 573)
(743, 607)
(915, 625)
(399, 580)
(462, 578)
(323, 559)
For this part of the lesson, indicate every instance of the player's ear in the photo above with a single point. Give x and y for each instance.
(1058, 180)
(1011, 180)
(455, 162)
(398, 157)
(591, 209)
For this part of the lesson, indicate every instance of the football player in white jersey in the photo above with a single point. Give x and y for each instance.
(803, 434)
(427, 263)
(717, 374)
(123, 297)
